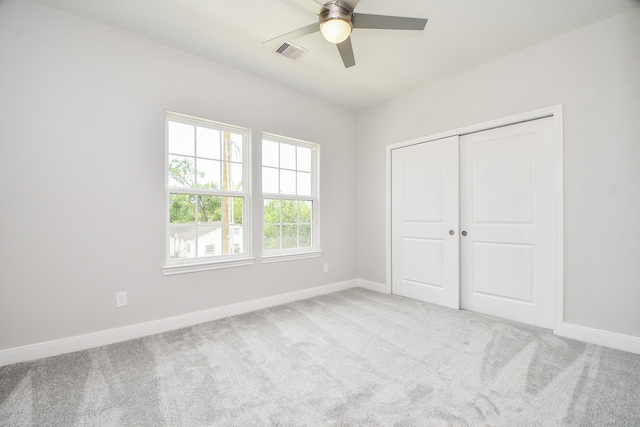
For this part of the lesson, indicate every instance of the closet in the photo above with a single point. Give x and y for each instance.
(473, 221)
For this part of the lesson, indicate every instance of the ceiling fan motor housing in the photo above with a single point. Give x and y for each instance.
(333, 11)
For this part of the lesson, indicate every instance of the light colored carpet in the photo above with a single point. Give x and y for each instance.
(351, 358)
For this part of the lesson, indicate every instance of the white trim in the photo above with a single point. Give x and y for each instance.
(374, 286)
(82, 342)
(559, 165)
(597, 336)
(111, 336)
(198, 121)
(268, 259)
(388, 219)
(555, 112)
(172, 269)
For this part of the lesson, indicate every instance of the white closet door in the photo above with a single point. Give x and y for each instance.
(425, 255)
(507, 205)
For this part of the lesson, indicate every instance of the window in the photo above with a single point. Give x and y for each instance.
(207, 177)
(290, 197)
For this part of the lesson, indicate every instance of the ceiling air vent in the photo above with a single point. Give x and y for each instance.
(291, 51)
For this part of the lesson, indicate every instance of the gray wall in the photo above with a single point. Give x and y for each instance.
(594, 72)
(82, 176)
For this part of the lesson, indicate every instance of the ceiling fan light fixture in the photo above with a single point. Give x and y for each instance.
(335, 23)
(335, 30)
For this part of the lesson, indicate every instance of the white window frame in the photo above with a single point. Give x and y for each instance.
(296, 253)
(188, 265)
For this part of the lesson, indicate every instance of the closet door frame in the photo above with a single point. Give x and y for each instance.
(556, 113)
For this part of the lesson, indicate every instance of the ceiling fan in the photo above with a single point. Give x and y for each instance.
(336, 20)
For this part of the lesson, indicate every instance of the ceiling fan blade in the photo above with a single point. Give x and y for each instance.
(384, 22)
(309, 29)
(346, 52)
(350, 5)
(310, 5)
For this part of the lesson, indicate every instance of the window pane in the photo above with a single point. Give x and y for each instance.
(236, 210)
(182, 208)
(235, 148)
(289, 236)
(304, 159)
(289, 211)
(208, 175)
(182, 243)
(209, 209)
(304, 184)
(305, 236)
(271, 237)
(181, 172)
(231, 146)
(270, 180)
(228, 209)
(231, 176)
(231, 243)
(271, 211)
(287, 156)
(287, 182)
(208, 240)
(270, 154)
(181, 139)
(236, 177)
(208, 143)
(305, 210)
(234, 237)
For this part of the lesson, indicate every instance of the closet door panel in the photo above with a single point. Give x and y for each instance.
(507, 197)
(425, 256)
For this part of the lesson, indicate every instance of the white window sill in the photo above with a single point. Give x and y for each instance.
(193, 267)
(266, 259)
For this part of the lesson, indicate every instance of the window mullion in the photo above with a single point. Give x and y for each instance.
(287, 197)
(205, 192)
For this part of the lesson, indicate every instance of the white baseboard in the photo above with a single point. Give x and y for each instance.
(111, 336)
(614, 340)
(82, 342)
(374, 286)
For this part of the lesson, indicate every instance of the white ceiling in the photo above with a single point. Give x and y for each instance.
(460, 34)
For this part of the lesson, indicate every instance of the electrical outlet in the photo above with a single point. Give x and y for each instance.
(121, 299)
(326, 267)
